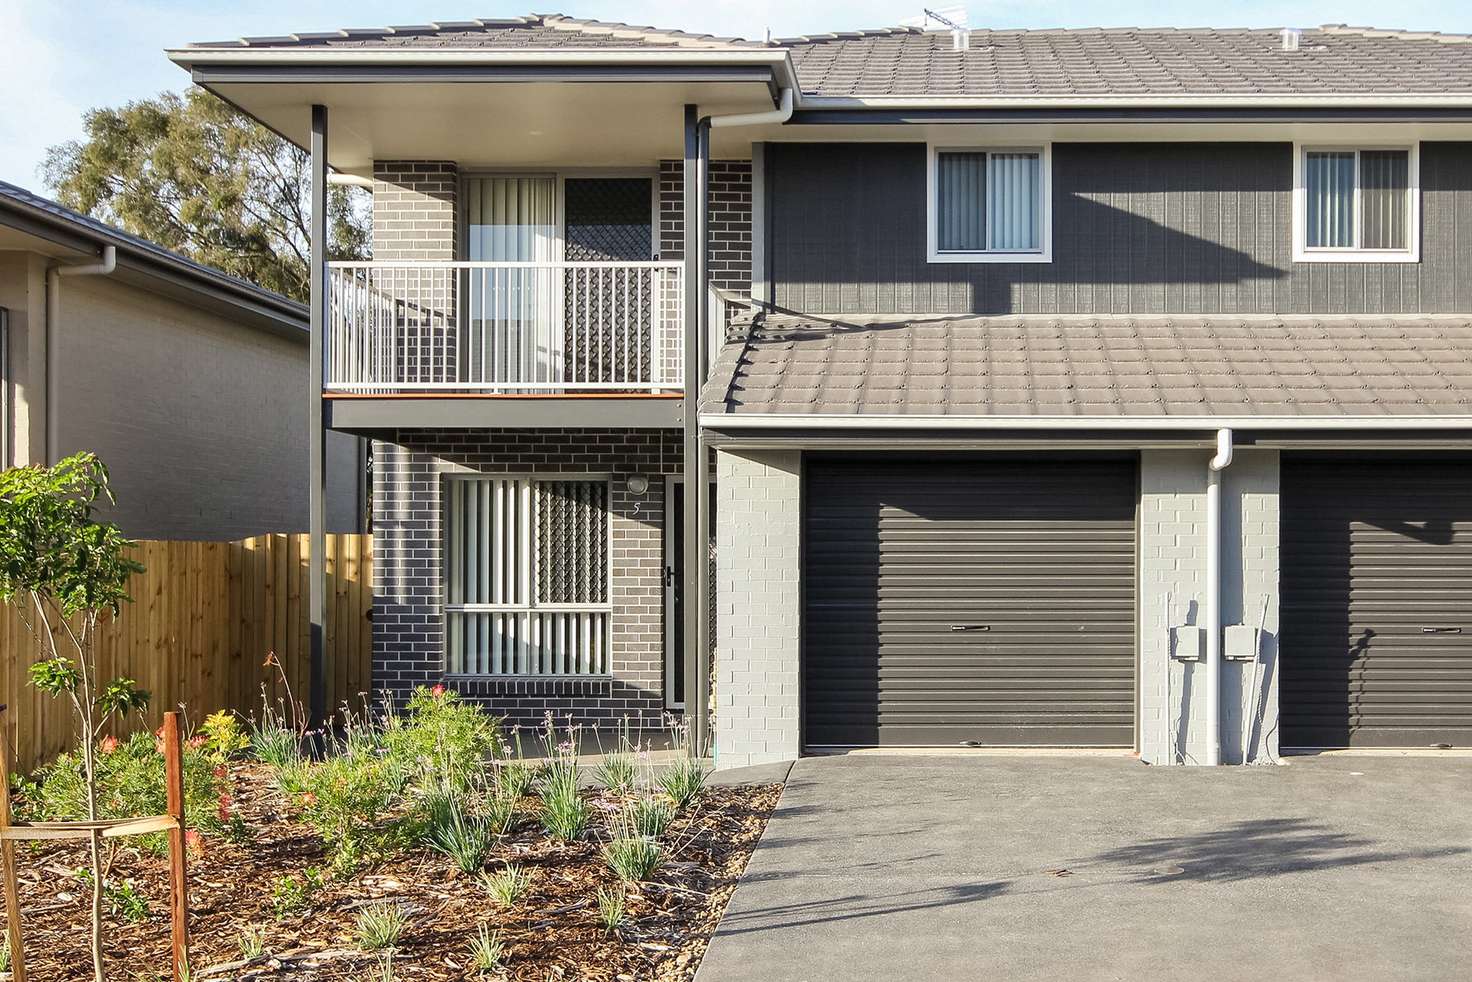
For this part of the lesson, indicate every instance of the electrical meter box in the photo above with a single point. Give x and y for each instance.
(1188, 643)
(1240, 643)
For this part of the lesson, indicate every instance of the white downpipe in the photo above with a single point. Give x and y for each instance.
(781, 114)
(54, 273)
(1217, 464)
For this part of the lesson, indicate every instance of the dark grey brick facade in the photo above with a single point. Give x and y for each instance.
(408, 625)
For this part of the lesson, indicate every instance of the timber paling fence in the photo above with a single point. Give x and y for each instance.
(204, 617)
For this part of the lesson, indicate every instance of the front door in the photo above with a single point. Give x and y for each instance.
(674, 600)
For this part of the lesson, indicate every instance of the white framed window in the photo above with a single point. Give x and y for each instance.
(989, 204)
(1357, 204)
(527, 575)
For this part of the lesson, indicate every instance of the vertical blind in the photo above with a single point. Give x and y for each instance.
(989, 202)
(514, 323)
(1379, 179)
(1384, 190)
(527, 577)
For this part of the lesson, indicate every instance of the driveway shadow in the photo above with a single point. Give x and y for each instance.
(855, 906)
(1255, 849)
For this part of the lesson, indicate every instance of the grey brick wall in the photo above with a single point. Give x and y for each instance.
(408, 630)
(1173, 561)
(415, 209)
(729, 218)
(758, 517)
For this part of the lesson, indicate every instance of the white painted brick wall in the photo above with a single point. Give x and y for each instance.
(757, 529)
(1172, 560)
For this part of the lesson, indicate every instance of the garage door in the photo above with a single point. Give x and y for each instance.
(1377, 602)
(987, 602)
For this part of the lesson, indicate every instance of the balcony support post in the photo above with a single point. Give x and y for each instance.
(696, 560)
(316, 434)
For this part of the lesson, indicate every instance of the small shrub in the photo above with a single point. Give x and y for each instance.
(222, 736)
(611, 905)
(649, 815)
(633, 857)
(290, 895)
(507, 887)
(124, 901)
(344, 797)
(499, 811)
(380, 925)
(440, 739)
(683, 782)
(130, 782)
(252, 943)
(486, 949)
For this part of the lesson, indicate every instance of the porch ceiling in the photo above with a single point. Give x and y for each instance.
(500, 124)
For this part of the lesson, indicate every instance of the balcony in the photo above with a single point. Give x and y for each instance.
(505, 328)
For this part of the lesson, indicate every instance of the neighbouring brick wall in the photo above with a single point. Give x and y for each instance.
(415, 209)
(729, 219)
(758, 517)
(408, 627)
(1173, 562)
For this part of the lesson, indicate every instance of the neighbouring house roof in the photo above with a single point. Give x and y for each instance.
(1150, 368)
(537, 31)
(40, 216)
(1334, 60)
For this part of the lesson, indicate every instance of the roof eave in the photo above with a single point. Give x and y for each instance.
(918, 421)
(280, 313)
(196, 60)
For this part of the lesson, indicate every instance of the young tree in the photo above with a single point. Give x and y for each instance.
(193, 175)
(65, 570)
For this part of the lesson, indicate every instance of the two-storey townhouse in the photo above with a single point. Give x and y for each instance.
(1055, 388)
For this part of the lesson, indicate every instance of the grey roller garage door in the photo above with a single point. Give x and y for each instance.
(1377, 602)
(973, 600)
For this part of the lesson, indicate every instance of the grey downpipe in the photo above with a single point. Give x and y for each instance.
(54, 273)
(1214, 468)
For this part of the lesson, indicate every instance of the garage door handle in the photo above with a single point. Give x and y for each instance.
(1441, 630)
(971, 627)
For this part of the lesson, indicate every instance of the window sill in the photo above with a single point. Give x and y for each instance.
(989, 257)
(530, 685)
(1354, 256)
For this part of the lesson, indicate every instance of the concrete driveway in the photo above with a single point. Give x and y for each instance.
(1060, 868)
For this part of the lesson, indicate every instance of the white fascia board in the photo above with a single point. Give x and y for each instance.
(733, 421)
(1205, 100)
(187, 58)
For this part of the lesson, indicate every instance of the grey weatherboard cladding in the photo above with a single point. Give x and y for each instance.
(1137, 228)
(971, 600)
(1376, 647)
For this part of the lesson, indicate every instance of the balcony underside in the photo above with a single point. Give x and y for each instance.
(370, 414)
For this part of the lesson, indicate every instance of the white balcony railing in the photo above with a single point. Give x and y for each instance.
(504, 327)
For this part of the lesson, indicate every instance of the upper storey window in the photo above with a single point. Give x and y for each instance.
(990, 204)
(1357, 204)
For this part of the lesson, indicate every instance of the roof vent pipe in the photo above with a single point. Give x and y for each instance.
(1291, 37)
(960, 40)
(1214, 468)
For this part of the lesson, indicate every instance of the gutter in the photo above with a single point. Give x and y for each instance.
(54, 273)
(814, 421)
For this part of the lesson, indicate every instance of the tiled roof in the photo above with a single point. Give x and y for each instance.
(1074, 366)
(19, 200)
(1132, 62)
(905, 61)
(534, 32)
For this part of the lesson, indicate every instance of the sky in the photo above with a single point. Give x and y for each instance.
(78, 54)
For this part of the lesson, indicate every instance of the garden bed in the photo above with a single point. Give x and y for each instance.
(552, 932)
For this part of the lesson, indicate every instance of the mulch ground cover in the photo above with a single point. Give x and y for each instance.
(552, 933)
